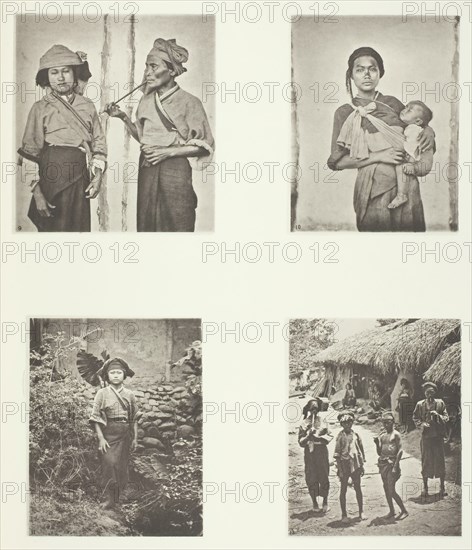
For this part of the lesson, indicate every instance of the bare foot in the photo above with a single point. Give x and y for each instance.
(345, 520)
(390, 515)
(402, 515)
(361, 516)
(398, 201)
(325, 508)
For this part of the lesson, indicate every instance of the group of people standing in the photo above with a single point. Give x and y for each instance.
(64, 148)
(314, 435)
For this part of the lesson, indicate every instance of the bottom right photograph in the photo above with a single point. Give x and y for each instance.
(375, 446)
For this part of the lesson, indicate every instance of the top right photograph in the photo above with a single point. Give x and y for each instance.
(375, 124)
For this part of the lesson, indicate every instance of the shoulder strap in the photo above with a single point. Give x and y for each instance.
(121, 401)
(165, 118)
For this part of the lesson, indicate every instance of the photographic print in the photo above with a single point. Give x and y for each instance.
(375, 124)
(115, 431)
(377, 448)
(113, 132)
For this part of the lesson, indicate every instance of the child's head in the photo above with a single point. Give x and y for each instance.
(346, 420)
(416, 112)
(388, 421)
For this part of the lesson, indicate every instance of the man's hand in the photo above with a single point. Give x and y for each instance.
(154, 154)
(134, 445)
(114, 111)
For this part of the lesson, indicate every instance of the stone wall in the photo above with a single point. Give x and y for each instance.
(168, 412)
(148, 345)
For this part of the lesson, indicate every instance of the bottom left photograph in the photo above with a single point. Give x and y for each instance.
(115, 427)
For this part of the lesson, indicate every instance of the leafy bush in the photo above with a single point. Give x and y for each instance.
(62, 448)
(174, 505)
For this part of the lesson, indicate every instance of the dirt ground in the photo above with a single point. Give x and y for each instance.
(432, 516)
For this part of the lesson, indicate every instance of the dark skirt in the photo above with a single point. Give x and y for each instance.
(115, 460)
(433, 462)
(317, 466)
(63, 179)
(166, 198)
(405, 410)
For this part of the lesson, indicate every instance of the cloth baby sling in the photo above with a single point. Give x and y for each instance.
(354, 138)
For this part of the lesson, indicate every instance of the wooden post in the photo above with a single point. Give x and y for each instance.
(129, 110)
(103, 208)
(453, 169)
(295, 151)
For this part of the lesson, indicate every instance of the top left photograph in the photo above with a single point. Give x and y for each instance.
(114, 131)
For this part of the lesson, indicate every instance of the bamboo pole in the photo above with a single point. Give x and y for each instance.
(453, 171)
(129, 110)
(103, 209)
(295, 150)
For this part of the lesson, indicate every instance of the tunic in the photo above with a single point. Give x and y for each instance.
(376, 184)
(433, 462)
(116, 417)
(58, 143)
(166, 198)
(349, 451)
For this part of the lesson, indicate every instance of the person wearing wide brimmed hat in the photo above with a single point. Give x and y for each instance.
(430, 415)
(114, 419)
(350, 457)
(389, 449)
(175, 136)
(64, 148)
(314, 435)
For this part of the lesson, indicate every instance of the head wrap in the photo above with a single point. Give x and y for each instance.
(116, 363)
(344, 416)
(170, 51)
(388, 416)
(430, 385)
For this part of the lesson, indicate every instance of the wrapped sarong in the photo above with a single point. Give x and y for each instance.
(433, 462)
(115, 460)
(166, 198)
(63, 179)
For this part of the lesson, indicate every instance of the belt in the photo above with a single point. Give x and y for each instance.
(121, 420)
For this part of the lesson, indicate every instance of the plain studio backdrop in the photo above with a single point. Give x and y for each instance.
(417, 56)
(34, 38)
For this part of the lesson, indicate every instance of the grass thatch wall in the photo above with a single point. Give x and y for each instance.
(446, 370)
(410, 344)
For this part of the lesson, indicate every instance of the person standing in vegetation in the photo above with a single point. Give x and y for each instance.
(114, 419)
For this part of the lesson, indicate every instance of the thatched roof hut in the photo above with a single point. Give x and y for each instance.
(446, 370)
(411, 344)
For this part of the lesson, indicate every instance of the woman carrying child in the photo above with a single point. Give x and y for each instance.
(364, 134)
(314, 436)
